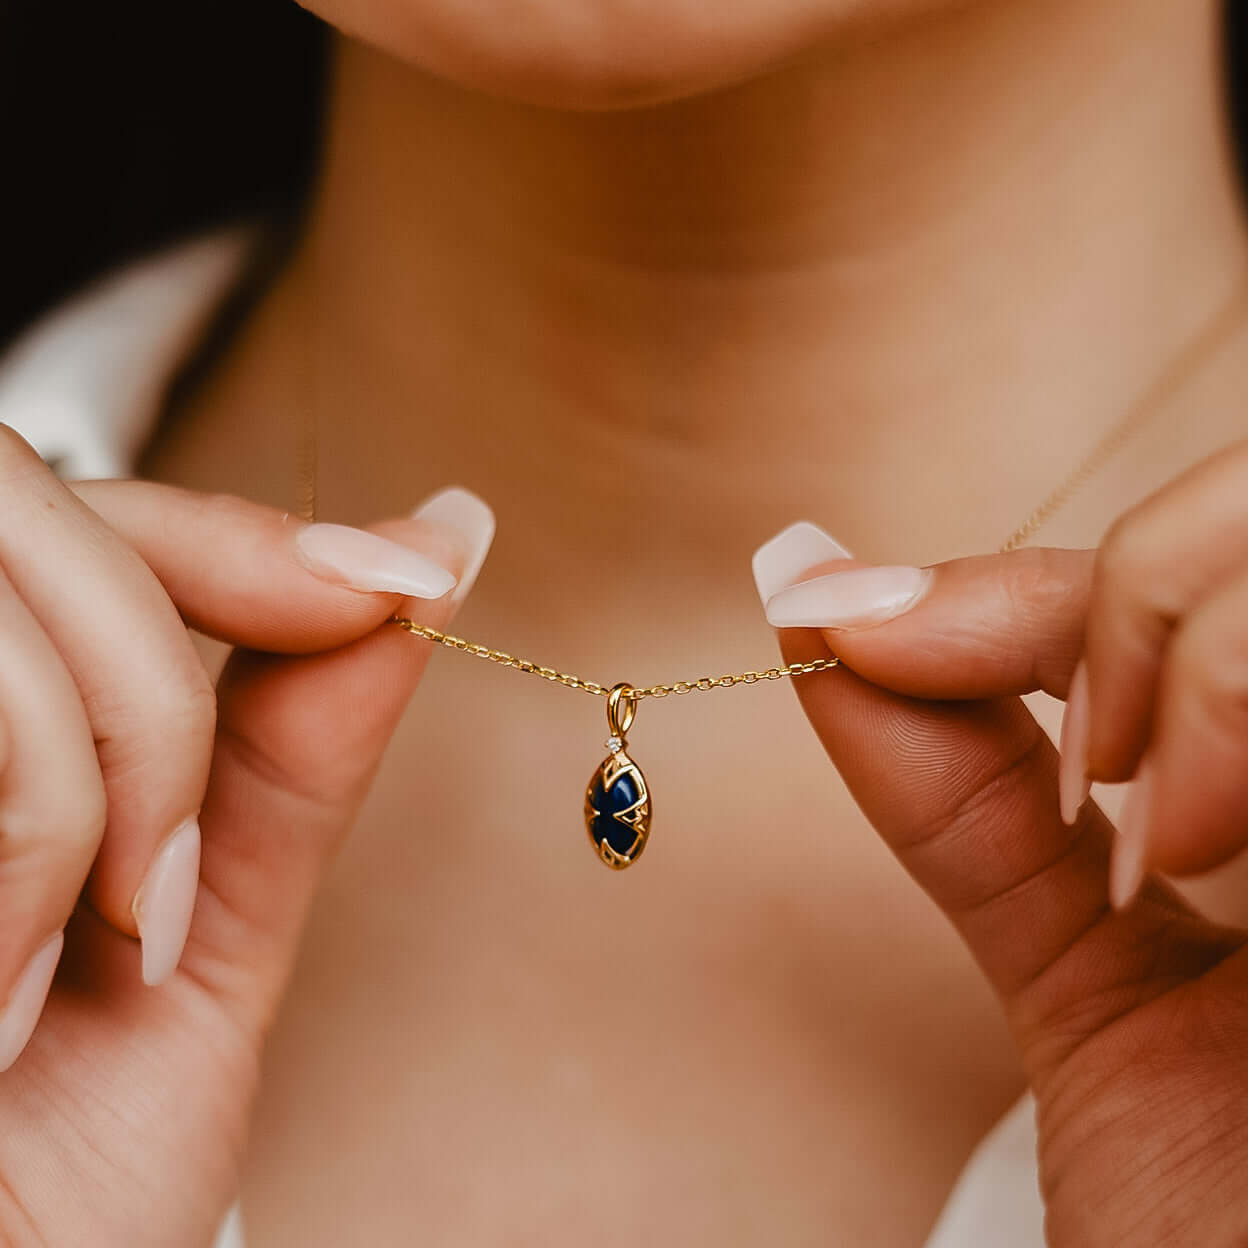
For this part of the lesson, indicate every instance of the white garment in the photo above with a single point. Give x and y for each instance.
(85, 386)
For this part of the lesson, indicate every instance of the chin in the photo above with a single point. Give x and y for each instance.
(599, 55)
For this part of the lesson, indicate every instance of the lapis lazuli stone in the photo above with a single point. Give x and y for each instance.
(620, 836)
(621, 796)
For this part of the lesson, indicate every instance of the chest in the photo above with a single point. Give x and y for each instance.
(742, 1039)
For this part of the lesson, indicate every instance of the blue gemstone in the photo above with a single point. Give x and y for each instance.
(623, 794)
(620, 836)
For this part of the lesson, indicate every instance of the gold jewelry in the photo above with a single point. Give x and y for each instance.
(617, 801)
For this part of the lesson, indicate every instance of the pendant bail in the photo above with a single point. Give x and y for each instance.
(621, 708)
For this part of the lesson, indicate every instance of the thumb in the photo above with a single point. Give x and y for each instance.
(299, 739)
(965, 794)
(980, 627)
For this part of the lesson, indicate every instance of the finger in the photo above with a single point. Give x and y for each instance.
(299, 739)
(148, 700)
(285, 587)
(1196, 815)
(273, 589)
(255, 576)
(984, 627)
(1154, 566)
(971, 628)
(52, 810)
(150, 703)
(249, 575)
(964, 794)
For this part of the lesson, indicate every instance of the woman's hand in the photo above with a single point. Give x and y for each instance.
(1132, 1024)
(122, 1116)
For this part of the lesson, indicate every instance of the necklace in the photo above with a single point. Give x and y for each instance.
(618, 804)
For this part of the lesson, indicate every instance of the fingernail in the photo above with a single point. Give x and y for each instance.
(1130, 848)
(1073, 785)
(362, 560)
(855, 599)
(791, 554)
(25, 1004)
(163, 906)
(470, 518)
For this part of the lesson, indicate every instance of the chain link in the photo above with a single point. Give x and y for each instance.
(570, 681)
(1177, 372)
(1162, 390)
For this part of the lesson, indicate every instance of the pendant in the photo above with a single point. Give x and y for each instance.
(617, 802)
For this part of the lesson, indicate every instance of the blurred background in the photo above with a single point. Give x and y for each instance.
(129, 124)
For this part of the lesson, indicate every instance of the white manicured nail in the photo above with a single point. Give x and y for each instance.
(362, 560)
(472, 521)
(25, 1004)
(1073, 785)
(163, 906)
(855, 599)
(791, 554)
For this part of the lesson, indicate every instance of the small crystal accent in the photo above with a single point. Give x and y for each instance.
(614, 743)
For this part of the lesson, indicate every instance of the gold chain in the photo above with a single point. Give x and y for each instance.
(570, 681)
(1203, 344)
(1178, 371)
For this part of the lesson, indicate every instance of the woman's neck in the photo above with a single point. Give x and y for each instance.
(937, 260)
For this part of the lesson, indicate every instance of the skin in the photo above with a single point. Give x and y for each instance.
(670, 291)
(1128, 1021)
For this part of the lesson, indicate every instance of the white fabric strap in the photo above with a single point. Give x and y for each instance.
(996, 1202)
(84, 385)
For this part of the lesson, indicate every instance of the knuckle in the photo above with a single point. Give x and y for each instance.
(17, 457)
(70, 820)
(219, 512)
(175, 719)
(1126, 550)
(186, 709)
(1045, 585)
(85, 817)
(1029, 580)
(197, 707)
(1214, 664)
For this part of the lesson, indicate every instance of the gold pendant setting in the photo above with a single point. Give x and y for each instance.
(617, 802)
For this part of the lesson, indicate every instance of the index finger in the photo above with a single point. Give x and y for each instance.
(1158, 562)
(233, 568)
